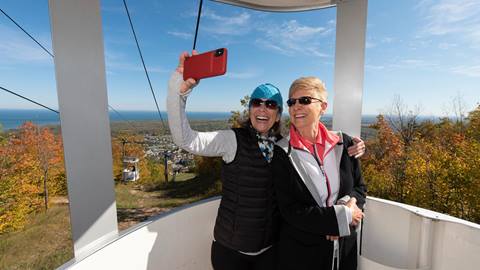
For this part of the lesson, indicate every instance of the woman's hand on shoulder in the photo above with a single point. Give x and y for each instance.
(189, 83)
(357, 149)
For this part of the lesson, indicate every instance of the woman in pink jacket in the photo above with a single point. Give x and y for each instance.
(319, 187)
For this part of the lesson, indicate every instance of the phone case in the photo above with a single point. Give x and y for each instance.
(209, 64)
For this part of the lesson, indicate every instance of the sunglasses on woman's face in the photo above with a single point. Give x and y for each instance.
(302, 100)
(269, 104)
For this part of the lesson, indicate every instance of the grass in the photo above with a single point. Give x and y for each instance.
(46, 243)
(136, 205)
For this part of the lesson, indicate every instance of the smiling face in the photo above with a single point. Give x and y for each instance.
(306, 116)
(262, 118)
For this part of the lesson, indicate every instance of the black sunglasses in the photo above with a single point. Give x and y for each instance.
(270, 104)
(302, 100)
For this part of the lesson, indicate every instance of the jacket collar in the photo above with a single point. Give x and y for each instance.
(324, 138)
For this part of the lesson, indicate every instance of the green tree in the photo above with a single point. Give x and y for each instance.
(238, 117)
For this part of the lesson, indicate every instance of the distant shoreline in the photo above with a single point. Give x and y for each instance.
(13, 118)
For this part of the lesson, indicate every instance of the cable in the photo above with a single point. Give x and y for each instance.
(47, 51)
(198, 23)
(33, 101)
(143, 63)
(121, 117)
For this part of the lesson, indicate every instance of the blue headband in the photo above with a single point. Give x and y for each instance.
(268, 91)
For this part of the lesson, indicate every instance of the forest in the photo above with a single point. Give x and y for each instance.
(430, 164)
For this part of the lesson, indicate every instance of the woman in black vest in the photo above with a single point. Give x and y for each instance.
(247, 220)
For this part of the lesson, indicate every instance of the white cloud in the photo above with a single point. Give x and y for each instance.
(446, 45)
(458, 17)
(288, 38)
(370, 45)
(293, 30)
(234, 25)
(414, 63)
(405, 64)
(182, 35)
(388, 40)
(469, 71)
(118, 62)
(16, 48)
(374, 67)
(240, 19)
(249, 74)
(269, 45)
(291, 38)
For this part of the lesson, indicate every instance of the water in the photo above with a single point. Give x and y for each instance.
(13, 118)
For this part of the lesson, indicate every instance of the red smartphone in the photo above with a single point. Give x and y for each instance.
(209, 64)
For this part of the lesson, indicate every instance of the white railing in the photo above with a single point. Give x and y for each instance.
(395, 236)
(400, 236)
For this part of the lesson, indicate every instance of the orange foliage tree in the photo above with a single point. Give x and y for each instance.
(151, 171)
(382, 164)
(438, 170)
(31, 161)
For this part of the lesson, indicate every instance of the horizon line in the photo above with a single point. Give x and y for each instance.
(165, 112)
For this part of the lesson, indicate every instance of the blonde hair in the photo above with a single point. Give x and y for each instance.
(309, 83)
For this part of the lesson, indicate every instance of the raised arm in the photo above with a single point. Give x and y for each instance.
(216, 143)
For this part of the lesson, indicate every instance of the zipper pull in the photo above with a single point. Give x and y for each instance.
(322, 169)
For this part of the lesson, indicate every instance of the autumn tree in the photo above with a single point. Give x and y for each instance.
(18, 197)
(382, 164)
(238, 117)
(28, 157)
(473, 124)
(49, 152)
(403, 120)
(438, 169)
(151, 171)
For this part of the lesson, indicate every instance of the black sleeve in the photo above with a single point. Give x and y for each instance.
(359, 190)
(296, 205)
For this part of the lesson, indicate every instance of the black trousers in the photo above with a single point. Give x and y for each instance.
(295, 255)
(224, 258)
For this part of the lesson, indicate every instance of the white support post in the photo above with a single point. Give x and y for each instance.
(349, 65)
(82, 97)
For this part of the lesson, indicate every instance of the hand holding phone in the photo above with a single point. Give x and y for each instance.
(205, 65)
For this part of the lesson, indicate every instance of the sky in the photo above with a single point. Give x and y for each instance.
(424, 52)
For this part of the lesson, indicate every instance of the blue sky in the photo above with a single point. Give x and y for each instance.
(426, 52)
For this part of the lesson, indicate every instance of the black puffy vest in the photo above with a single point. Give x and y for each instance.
(247, 218)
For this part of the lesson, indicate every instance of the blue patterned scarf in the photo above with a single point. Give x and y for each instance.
(266, 143)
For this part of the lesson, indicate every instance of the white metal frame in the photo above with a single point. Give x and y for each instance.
(349, 66)
(82, 98)
(82, 94)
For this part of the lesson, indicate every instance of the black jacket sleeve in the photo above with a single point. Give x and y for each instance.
(297, 207)
(359, 189)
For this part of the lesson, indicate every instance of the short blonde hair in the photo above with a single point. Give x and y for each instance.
(309, 83)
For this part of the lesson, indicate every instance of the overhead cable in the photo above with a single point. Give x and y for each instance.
(198, 23)
(31, 100)
(47, 51)
(121, 117)
(143, 63)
